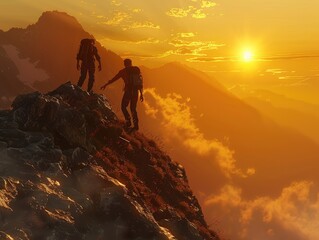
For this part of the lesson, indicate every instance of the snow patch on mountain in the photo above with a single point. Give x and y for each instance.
(29, 73)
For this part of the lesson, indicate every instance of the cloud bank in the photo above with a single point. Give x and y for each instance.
(175, 115)
(294, 212)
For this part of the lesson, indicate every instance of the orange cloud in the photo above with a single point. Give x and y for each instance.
(137, 10)
(149, 40)
(176, 117)
(149, 110)
(125, 18)
(179, 12)
(185, 44)
(276, 71)
(295, 211)
(181, 51)
(186, 34)
(146, 24)
(199, 14)
(212, 59)
(228, 196)
(208, 4)
(188, 40)
(195, 11)
(116, 19)
(116, 3)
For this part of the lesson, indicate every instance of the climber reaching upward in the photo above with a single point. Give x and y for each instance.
(133, 85)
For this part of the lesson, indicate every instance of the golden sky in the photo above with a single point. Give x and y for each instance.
(247, 45)
(280, 37)
(186, 30)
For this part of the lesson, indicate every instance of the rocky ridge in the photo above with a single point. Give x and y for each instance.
(69, 171)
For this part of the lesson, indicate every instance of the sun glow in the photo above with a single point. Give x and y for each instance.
(247, 56)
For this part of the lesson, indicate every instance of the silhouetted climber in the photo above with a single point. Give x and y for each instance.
(133, 84)
(86, 54)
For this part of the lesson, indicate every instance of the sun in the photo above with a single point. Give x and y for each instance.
(247, 56)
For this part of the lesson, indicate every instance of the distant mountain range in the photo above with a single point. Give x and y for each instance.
(286, 111)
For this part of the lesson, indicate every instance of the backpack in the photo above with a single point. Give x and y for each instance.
(136, 78)
(85, 49)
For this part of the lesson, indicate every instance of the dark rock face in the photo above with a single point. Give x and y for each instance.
(69, 171)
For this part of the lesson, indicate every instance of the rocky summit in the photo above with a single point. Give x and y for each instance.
(70, 171)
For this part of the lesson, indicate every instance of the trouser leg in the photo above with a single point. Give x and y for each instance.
(91, 77)
(133, 105)
(124, 104)
(83, 75)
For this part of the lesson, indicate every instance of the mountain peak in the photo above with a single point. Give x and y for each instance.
(68, 165)
(174, 64)
(58, 19)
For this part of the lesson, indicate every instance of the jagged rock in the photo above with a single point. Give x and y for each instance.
(69, 171)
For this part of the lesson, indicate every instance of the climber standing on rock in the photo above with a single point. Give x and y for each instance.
(87, 55)
(133, 85)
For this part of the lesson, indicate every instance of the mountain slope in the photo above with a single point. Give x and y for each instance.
(286, 111)
(69, 171)
(304, 122)
(53, 43)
